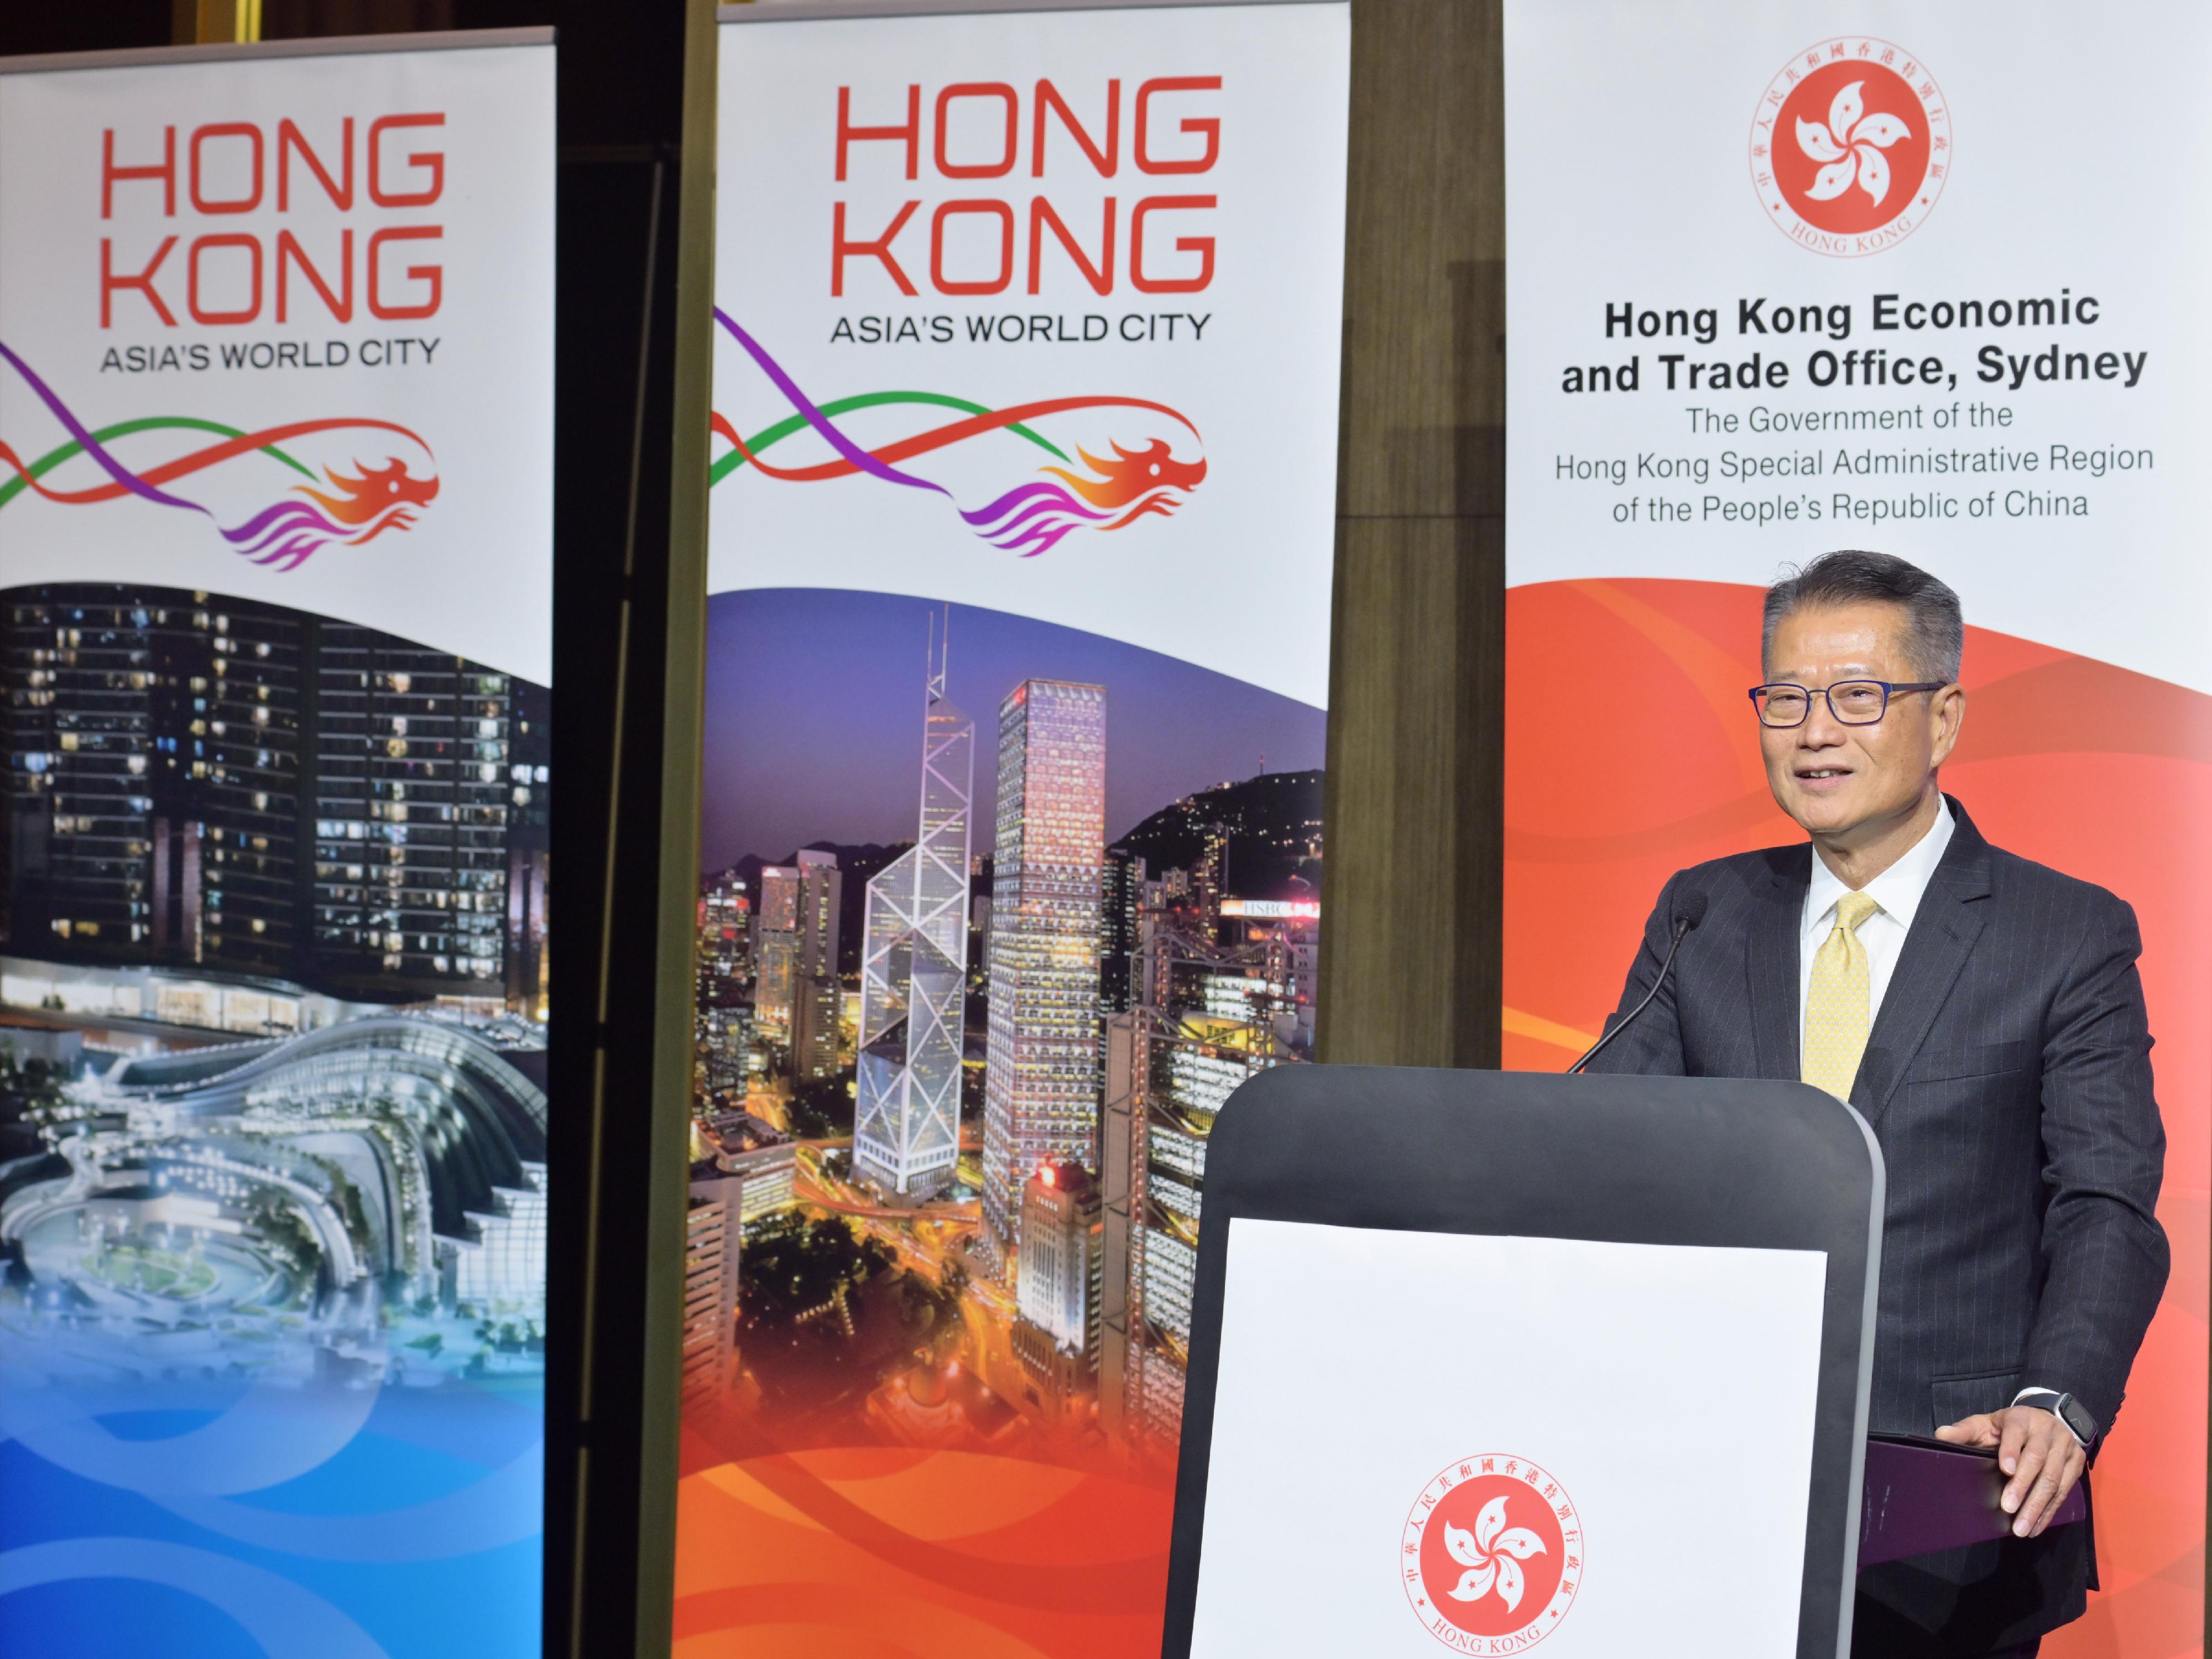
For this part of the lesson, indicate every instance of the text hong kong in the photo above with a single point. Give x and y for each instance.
(172, 199)
(2007, 361)
(961, 235)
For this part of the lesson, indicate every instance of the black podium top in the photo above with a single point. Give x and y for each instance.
(1668, 1160)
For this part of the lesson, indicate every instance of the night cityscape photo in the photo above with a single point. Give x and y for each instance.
(272, 997)
(994, 917)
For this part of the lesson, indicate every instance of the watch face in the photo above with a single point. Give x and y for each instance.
(2077, 1419)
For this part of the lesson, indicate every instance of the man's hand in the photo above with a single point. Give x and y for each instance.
(2036, 1450)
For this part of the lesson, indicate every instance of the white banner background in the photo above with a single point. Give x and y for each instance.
(2076, 154)
(473, 574)
(1229, 582)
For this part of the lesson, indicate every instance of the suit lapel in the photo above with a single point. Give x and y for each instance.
(1778, 914)
(1944, 931)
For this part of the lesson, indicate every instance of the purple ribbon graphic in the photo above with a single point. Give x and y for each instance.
(114, 468)
(815, 418)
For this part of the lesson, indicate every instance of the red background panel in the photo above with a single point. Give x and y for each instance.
(1632, 751)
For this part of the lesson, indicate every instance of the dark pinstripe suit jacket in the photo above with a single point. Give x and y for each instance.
(2008, 1078)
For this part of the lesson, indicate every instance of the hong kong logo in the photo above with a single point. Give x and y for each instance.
(1491, 1554)
(1850, 146)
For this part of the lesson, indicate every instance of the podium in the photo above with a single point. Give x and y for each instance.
(1485, 1360)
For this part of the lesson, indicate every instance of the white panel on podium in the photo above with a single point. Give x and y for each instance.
(1412, 1282)
(1665, 1393)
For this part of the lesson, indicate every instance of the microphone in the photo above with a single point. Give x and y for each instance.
(1689, 911)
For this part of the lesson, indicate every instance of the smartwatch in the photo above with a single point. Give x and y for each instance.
(2068, 1411)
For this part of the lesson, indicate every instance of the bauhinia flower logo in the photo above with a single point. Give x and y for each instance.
(1850, 146)
(1491, 1554)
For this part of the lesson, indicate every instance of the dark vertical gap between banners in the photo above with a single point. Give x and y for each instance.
(586, 1317)
(1412, 924)
(683, 691)
(587, 1321)
(622, 135)
(603, 623)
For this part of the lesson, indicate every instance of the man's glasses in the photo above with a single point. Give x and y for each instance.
(1853, 703)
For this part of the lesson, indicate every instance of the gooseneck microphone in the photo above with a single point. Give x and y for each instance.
(1689, 911)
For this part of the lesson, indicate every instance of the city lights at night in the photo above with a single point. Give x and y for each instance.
(271, 1019)
(975, 1229)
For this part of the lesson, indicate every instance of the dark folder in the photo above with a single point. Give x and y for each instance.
(1925, 1495)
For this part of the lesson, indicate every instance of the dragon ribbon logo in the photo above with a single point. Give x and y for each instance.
(1029, 518)
(348, 509)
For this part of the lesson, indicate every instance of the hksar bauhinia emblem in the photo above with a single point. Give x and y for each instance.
(1492, 1555)
(1850, 146)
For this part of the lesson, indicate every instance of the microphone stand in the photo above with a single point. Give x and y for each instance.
(1682, 926)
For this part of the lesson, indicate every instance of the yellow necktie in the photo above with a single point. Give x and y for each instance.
(1836, 1017)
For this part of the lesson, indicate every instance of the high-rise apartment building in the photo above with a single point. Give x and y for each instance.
(764, 1158)
(818, 1015)
(712, 1241)
(817, 999)
(724, 1059)
(914, 970)
(775, 992)
(725, 941)
(779, 900)
(796, 996)
(1207, 1016)
(775, 951)
(154, 754)
(1057, 1282)
(219, 782)
(1056, 1330)
(412, 800)
(1041, 1075)
(1121, 891)
(529, 846)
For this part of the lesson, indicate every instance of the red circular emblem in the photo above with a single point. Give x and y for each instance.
(1850, 146)
(1492, 1554)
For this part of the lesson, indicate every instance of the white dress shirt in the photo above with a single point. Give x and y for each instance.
(1899, 891)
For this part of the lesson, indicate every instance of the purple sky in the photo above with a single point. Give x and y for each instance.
(814, 700)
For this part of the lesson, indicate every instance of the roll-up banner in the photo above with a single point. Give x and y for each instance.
(1779, 286)
(276, 378)
(1027, 336)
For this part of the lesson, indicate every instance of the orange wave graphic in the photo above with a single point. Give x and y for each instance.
(872, 1549)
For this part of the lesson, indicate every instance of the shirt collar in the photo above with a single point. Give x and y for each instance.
(1898, 890)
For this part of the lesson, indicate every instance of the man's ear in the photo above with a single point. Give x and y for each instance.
(1947, 714)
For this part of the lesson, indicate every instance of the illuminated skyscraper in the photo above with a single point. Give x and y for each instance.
(817, 1012)
(1041, 1080)
(914, 968)
(713, 1237)
(797, 995)
(413, 808)
(1121, 882)
(1056, 1335)
(1207, 1016)
(1060, 1257)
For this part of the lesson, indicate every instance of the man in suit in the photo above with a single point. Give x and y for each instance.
(1983, 1014)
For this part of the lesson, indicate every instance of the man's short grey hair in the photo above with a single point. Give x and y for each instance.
(1934, 628)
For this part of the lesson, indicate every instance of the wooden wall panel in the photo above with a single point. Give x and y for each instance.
(1410, 937)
